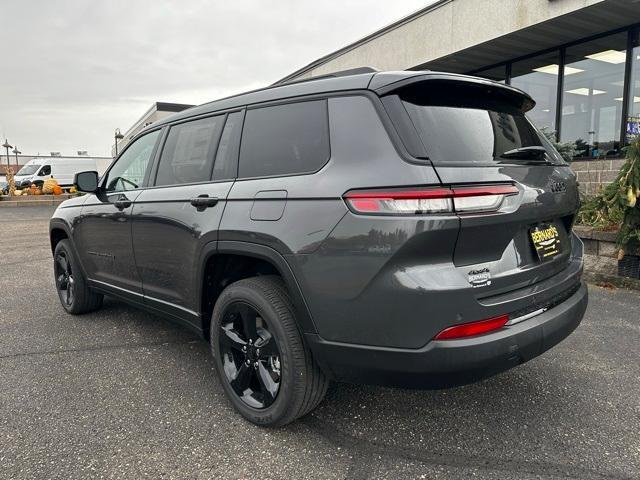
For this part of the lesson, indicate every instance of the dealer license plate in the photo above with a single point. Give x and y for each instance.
(546, 241)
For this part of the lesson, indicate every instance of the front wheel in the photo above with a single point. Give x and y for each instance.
(265, 368)
(75, 296)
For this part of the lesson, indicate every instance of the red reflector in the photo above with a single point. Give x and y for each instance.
(473, 328)
(365, 205)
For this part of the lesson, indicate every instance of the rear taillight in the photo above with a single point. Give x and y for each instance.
(473, 328)
(418, 201)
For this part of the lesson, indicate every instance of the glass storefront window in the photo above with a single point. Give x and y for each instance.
(632, 122)
(538, 76)
(592, 95)
(498, 74)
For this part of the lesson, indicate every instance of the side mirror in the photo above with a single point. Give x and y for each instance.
(86, 181)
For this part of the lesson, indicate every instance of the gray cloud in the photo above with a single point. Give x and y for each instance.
(71, 71)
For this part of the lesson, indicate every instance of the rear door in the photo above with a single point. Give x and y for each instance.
(181, 211)
(477, 135)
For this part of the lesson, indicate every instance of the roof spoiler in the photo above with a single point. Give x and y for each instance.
(340, 73)
(385, 86)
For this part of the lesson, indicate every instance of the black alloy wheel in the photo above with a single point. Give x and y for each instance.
(250, 356)
(65, 281)
(75, 295)
(266, 369)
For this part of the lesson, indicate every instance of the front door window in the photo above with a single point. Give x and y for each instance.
(130, 168)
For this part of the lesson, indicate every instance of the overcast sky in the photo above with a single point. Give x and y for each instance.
(71, 71)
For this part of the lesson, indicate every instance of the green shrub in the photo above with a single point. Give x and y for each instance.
(617, 205)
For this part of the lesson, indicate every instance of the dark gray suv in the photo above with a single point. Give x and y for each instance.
(411, 229)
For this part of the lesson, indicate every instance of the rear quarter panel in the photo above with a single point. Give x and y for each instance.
(334, 264)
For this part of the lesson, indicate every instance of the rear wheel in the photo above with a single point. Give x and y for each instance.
(75, 296)
(265, 368)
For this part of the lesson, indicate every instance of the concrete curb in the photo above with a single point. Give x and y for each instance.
(601, 279)
(33, 201)
(30, 203)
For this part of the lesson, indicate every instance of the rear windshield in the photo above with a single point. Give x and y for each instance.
(471, 125)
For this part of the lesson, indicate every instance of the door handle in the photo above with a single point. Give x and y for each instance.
(204, 201)
(122, 203)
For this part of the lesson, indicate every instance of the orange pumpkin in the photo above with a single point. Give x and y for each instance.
(57, 190)
(38, 191)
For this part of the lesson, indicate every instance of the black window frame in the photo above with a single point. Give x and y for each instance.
(238, 142)
(289, 101)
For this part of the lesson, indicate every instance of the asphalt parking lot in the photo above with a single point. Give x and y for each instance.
(122, 394)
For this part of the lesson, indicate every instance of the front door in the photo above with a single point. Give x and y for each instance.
(103, 235)
(181, 211)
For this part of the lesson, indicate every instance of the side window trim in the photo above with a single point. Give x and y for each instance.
(216, 144)
(155, 158)
(105, 176)
(237, 145)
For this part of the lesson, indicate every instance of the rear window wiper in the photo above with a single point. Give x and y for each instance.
(526, 153)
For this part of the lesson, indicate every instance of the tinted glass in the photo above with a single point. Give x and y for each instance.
(538, 76)
(187, 156)
(592, 95)
(632, 124)
(128, 171)
(226, 165)
(458, 124)
(46, 170)
(285, 139)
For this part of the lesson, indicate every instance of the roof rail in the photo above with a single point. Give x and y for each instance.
(341, 73)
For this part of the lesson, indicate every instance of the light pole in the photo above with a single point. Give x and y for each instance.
(17, 152)
(117, 137)
(7, 147)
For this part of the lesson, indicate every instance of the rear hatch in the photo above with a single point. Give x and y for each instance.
(475, 134)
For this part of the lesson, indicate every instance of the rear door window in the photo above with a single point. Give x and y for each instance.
(187, 156)
(471, 125)
(285, 139)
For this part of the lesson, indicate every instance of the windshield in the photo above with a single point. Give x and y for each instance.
(474, 127)
(28, 170)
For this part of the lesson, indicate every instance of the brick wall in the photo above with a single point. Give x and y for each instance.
(601, 258)
(592, 174)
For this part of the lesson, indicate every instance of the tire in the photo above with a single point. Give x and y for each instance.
(301, 384)
(74, 294)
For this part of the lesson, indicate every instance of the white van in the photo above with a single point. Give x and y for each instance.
(62, 169)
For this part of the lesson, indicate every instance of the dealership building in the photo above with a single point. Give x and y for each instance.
(579, 59)
(157, 111)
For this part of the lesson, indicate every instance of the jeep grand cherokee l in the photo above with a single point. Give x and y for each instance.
(400, 228)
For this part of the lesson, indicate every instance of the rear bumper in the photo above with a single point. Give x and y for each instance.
(448, 363)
